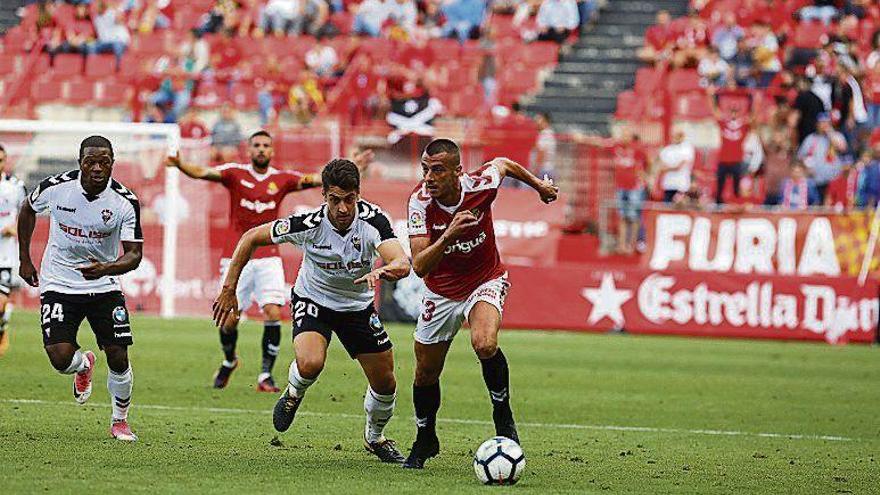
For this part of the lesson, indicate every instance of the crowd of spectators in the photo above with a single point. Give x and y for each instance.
(794, 89)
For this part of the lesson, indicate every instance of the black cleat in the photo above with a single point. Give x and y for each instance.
(386, 451)
(284, 412)
(504, 424)
(421, 452)
(221, 378)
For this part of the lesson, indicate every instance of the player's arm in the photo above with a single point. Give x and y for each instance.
(193, 170)
(27, 220)
(426, 255)
(132, 253)
(544, 187)
(396, 264)
(226, 302)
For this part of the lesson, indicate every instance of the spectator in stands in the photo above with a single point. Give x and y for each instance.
(544, 161)
(323, 60)
(675, 163)
(630, 166)
(733, 128)
(869, 183)
(713, 69)
(822, 10)
(743, 66)
(191, 127)
(586, 12)
(151, 14)
(658, 39)
(112, 34)
(850, 102)
(463, 19)
(726, 36)
(691, 42)
(873, 58)
(778, 138)
(798, 192)
(305, 98)
(195, 52)
(431, 18)
(843, 191)
(765, 52)
(402, 15)
(226, 136)
(78, 33)
(807, 107)
(370, 15)
(224, 15)
(286, 17)
(556, 20)
(820, 153)
(872, 95)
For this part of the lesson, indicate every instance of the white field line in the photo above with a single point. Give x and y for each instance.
(558, 426)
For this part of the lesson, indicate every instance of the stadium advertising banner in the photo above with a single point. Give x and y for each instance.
(640, 300)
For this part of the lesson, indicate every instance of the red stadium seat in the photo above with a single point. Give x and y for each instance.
(15, 40)
(629, 106)
(112, 94)
(98, 66)
(80, 92)
(45, 91)
(542, 53)
(683, 80)
(187, 18)
(648, 80)
(468, 102)
(502, 26)
(152, 43)
(343, 21)
(67, 65)
(9, 64)
(244, 96)
(809, 35)
(691, 106)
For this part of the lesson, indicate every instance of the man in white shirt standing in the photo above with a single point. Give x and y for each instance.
(676, 161)
(89, 216)
(12, 193)
(556, 19)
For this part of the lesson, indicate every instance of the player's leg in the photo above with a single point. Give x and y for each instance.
(311, 336)
(229, 331)
(364, 337)
(4, 320)
(484, 309)
(60, 317)
(437, 325)
(268, 290)
(110, 322)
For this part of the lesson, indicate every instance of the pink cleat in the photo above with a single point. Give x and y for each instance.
(82, 382)
(121, 431)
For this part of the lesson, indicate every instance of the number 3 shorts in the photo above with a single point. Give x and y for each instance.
(441, 318)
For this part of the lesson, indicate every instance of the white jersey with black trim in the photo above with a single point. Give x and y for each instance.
(333, 260)
(82, 228)
(12, 195)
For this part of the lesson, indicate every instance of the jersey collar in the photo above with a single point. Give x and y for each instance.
(88, 196)
(452, 209)
(257, 175)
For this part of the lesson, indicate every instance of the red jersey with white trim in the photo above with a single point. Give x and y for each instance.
(254, 199)
(473, 259)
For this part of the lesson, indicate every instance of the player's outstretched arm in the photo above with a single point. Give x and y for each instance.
(27, 219)
(226, 303)
(427, 255)
(361, 158)
(545, 186)
(396, 264)
(132, 253)
(193, 170)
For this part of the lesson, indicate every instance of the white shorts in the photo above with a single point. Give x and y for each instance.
(441, 318)
(261, 281)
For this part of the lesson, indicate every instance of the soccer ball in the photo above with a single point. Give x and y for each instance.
(499, 461)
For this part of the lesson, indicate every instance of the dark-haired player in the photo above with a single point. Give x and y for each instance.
(453, 248)
(334, 292)
(256, 191)
(89, 215)
(12, 194)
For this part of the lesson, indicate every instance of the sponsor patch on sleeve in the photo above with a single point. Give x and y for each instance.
(416, 220)
(281, 227)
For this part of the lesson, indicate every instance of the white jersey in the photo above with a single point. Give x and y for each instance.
(83, 228)
(12, 194)
(333, 260)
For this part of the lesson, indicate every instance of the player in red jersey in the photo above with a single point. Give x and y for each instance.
(256, 191)
(452, 240)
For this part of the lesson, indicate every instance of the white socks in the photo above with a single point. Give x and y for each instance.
(119, 385)
(297, 385)
(379, 409)
(77, 364)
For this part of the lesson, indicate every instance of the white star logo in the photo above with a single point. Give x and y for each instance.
(607, 301)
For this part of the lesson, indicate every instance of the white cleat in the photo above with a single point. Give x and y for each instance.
(121, 431)
(82, 382)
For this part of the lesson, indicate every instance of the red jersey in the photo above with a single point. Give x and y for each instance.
(733, 135)
(872, 87)
(629, 160)
(193, 130)
(473, 259)
(254, 199)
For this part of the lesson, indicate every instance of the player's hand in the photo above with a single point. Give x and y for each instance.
(461, 222)
(372, 278)
(8, 231)
(548, 190)
(28, 273)
(93, 271)
(363, 159)
(225, 306)
(173, 161)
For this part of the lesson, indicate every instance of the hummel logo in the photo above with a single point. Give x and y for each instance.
(439, 226)
(247, 184)
(64, 208)
(499, 396)
(322, 246)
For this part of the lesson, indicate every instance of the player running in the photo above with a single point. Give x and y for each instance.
(89, 215)
(333, 293)
(12, 194)
(256, 191)
(453, 248)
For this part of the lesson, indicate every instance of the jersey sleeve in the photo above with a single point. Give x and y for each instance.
(486, 177)
(382, 230)
(41, 198)
(292, 181)
(227, 174)
(131, 223)
(295, 229)
(416, 224)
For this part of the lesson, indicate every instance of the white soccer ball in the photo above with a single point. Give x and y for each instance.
(499, 461)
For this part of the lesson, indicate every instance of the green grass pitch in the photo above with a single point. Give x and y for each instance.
(596, 413)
